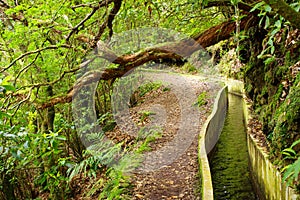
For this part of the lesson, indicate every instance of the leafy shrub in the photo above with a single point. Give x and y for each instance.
(148, 87)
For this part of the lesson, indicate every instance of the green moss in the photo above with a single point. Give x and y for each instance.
(286, 120)
(264, 79)
(248, 88)
(282, 71)
(268, 76)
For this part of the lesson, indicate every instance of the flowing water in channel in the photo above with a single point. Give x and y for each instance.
(229, 164)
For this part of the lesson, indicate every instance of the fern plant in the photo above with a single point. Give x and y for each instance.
(291, 174)
(117, 186)
(101, 153)
(273, 25)
(104, 157)
(112, 162)
(291, 171)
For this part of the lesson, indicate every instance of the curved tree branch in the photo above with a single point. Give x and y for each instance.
(224, 30)
(112, 14)
(108, 22)
(176, 50)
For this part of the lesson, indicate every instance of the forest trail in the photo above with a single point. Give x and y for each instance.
(170, 169)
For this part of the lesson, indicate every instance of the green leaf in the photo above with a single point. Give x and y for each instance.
(278, 24)
(269, 60)
(3, 114)
(62, 138)
(9, 88)
(272, 49)
(234, 2)
(268, 8)
(274, 32)
(295, 143)
(290, 150)
(267, 23)
(260, 21)
(292, 172)
(296, 6)
(258, 5)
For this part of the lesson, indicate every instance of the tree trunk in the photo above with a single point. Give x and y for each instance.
(50, 111)
(8, 188)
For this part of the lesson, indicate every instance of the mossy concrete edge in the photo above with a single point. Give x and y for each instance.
(204, 147)
(267, 179)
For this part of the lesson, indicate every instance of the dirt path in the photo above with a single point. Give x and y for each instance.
(170, 170)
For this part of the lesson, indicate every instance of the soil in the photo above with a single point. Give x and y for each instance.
(255, 130)
(170, 169)
(175, 177)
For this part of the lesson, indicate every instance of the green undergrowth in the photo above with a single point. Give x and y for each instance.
(272, 83)
(201, 100)
(189, 68)
(107, 166)
(146, 137)
(144, 89)
(145, 115)
(292, 169)
(286, 119)
(148, 87)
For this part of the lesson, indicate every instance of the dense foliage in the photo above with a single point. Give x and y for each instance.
(43, 45)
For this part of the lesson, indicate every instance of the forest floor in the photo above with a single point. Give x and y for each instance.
(177, 176)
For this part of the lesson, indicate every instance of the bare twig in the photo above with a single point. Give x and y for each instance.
(33, 52)
(4, 4)
(89, 5)
(25, 68)
(87, 17)
(21, 102)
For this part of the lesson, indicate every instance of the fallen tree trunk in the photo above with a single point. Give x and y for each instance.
(177, 50)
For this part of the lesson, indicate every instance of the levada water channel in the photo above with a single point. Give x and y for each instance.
(229, 161)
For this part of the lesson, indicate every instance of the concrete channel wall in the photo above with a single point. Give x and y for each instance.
(208, 138)
(266, 177)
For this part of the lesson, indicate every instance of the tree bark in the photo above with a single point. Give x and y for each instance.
(176, 50)
(8, 188)
(224, 31)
